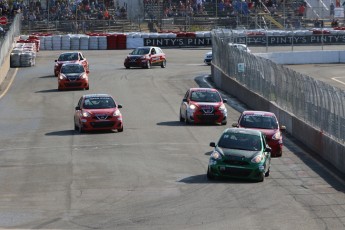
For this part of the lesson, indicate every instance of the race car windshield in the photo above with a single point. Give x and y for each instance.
(241, 141)
(205, 96)
(68, 57)
(141, 51)
(99, 103)
(259, 122)
(72, 69)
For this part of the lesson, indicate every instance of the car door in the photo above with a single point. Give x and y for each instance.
(154, 56)
(184, 104)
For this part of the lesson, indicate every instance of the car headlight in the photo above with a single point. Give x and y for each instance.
(83, 76)
(86, 114)
(216, 155)
(258, 158)
(117, 113)
(276, 136)
(62, 76)
(192, 107)
(222, 107)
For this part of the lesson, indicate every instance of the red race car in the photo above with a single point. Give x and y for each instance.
(145, 57)
(70, 57)
(97, 112)
(73, 76)
(267, 123)
(203, 105)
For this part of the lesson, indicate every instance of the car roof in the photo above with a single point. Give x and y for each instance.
(203, 89)
(74, 63)
(256, 112)
(243, 130)
(96, 95)
(145, 47)
(72, 52)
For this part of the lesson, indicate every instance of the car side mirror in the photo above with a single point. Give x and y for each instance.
(77, 108)
(268, 149)
(184, 99)
(212, 144)
(119, 106)
(225, 100)
(234, 125)
(283, 127)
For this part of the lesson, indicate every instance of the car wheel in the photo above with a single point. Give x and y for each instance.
(59, 89)
(209, 175)
(127, 67)
(181, 118)
(80, 128)
(224, 122)
(148, 65)
(87, 88)
(75, 126)
(186, 119)
(267, 173)
(261, 177)
(120, 129)
(164, 64)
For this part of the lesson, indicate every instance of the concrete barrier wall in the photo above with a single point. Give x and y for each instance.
(329, 149)
(305, 57)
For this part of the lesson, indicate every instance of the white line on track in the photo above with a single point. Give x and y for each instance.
(10, 83)
(335, 79)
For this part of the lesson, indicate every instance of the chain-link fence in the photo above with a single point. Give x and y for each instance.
(6, 42)
(317, 103)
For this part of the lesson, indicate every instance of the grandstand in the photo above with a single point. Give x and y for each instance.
(65, 16)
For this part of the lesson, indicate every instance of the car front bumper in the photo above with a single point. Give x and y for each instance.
(251, 172)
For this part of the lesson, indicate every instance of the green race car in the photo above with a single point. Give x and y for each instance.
(240, 153)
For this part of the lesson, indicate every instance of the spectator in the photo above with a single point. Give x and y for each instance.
(334, 23)
(301, 10)
(317, 23)
(331, 10)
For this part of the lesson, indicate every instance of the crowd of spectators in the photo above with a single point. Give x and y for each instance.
(62, 10)
(182, 8)
(224, 8)
(84, 10)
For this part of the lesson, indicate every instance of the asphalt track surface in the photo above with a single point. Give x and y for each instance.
(151, 176)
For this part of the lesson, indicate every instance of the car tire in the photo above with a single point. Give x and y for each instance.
(127, 67)
(87, 88)
(186, 120)
(209, 175)
(261, 177)
(148, 65)
(75, 126)
(181, 118)
(267, 173)
(164, 64)
(224, 122)
(120, 129)
(80, 128)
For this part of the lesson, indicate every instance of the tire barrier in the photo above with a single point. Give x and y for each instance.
(24, 53)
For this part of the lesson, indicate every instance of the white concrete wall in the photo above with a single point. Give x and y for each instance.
(305, 57)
